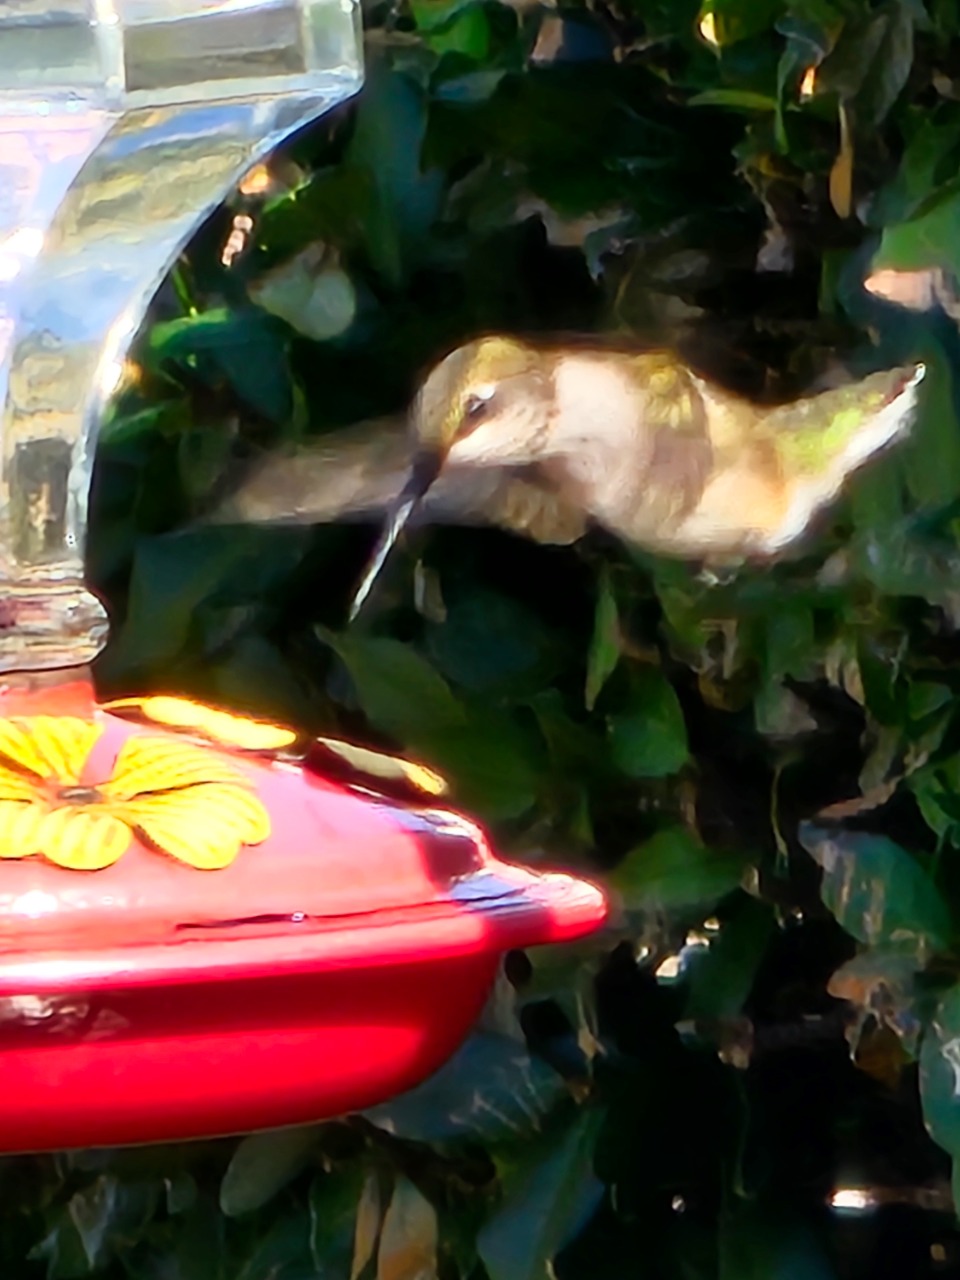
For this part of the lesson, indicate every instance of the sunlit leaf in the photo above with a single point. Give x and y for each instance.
(369, 1221)
(317, 300)
(408, 1241)
(245, 346)
(212, 722)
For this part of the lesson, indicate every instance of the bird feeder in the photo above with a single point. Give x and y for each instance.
(202, 930)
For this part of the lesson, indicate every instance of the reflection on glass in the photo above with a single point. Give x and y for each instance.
(122, 124)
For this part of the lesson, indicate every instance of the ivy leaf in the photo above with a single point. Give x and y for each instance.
(408, 1241)
(871, 61)
(940, 1074)
(551, 1194)
(604, 652)
(648, 739)
(339, 1231)
(386, 146)
(399, 691)
(931, 239)
(491, 1090)
(929, 162)
(492, 762)
(246, 347)
(720, 981)
(877, 891)
(262, 1165)
(675, 869)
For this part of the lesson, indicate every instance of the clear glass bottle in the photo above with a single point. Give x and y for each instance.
(122, 124)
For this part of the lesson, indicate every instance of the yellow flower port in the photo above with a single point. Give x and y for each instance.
(177, 797)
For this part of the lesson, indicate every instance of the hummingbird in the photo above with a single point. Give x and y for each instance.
(546, 439)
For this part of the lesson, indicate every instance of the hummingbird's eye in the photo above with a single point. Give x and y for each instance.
(476, 406)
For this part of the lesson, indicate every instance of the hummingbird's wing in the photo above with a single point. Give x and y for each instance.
(347, 474)
(358, 473)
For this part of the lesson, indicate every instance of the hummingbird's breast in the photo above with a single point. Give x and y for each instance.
(636, 460)
(597, 449)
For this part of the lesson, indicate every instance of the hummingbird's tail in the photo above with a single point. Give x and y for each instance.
(830, 435)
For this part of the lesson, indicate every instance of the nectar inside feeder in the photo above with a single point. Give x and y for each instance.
(202, 930)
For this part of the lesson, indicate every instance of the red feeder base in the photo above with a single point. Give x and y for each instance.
(199, 938)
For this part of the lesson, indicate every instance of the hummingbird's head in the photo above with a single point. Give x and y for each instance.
(486, 403)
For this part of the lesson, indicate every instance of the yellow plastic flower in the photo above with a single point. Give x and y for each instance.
(181, 799)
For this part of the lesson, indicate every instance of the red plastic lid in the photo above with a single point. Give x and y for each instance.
(303, 872)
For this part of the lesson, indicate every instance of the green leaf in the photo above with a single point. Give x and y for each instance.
(735, 21)
(433, 15)
(399, 691)
(262, 1165)
(185, 587)
(320, 303)
(491, 1091)
(810, 31)
(408, 1241)
(877, 891)
(674, 869)
(932, 239)
(604, 652)
(929, 162)
(721, 980)
(246, 347)
(282, 1252)
(940, 1074)
(491, 644)
(936, 787)
(790, 641)
(548, 1200)
(926, 698)
(871, 61)
(492, 763)
(649, 740)
(335, 1200)
(467, 34)
(386, 146)
(738, 99)
(931, 457)
(110, 1211)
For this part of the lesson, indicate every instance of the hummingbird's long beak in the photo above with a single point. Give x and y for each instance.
(425, 469)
